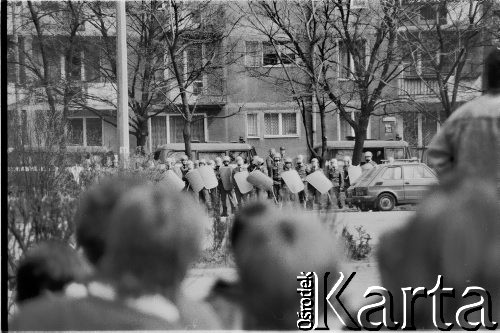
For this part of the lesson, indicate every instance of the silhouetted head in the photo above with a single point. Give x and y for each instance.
(271, 248)
(48, 267)
(154, 236)
(455, 233)
(492, 70)
(94, 212)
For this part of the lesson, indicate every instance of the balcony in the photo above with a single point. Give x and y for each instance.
(416, 86)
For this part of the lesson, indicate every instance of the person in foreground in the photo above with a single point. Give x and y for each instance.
(47, 269)
(152, 238)
(271, 248)
(468, 143)
(455, 234)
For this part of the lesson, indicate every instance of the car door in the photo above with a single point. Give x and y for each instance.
(417, 180)
(390, 180)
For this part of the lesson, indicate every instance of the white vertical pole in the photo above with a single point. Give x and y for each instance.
(121, 69)
(420, 140)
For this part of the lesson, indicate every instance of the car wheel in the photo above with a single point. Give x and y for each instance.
(386, 202)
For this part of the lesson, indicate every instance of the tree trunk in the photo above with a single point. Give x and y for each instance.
(359, 142)
(186, 133)
(142, 134)
(324, 145)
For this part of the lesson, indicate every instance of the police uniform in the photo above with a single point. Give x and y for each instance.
(240, 197)
(314, 196)
(287, 195)
(337, 178)
(224, 194)
(276, 176)
(302, 171)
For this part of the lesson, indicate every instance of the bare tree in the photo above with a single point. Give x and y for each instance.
(170, 49)
(346, 56)
(444, 43)
(195, 37)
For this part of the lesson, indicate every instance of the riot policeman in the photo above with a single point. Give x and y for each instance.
(226, 189)
(314, 196)
(275, 172)
(302, 170)
(336, 176)
(240, 197)
(286, 193)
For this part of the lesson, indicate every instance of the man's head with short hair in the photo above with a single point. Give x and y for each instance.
(272, 151)
(94, 212)
(347, 161)
(334, 163)
(368, 156)
(492, 71)
(48, 267)
(154, 236)
(315, 162)
(218, 161)
(225, 160)
(271, 248)
(255, 160)
(184, 160)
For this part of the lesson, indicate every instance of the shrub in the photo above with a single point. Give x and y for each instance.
(356, 247)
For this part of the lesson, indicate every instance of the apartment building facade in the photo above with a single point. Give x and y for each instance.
(231, 103)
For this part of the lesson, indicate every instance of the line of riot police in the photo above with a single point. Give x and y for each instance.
(239, 182)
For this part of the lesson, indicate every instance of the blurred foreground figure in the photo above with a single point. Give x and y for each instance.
(468, 144)
(455, 234)
(48, 268)
(271, 248)
(148, 238)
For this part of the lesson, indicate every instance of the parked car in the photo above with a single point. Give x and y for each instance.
(388, 185)
(208, 151)
(381, 150)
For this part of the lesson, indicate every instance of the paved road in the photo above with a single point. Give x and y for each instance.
(376, 224)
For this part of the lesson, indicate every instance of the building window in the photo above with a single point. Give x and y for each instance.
(14, 68)
(194, 66)
(433, 13)
(272, 54)
(355, 4)
(85, 131)
(93, 132)
(177, 127)
(266, 54)
(159, 135)
(253, 55)
(346, 60)
(252, 125)
(281, 124)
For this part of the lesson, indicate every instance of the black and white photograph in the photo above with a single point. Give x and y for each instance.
(260, 165)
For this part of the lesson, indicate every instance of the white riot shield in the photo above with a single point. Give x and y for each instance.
(195, 181)
(172, 181)
(293, 181)
(209, 178)
(354, 172)
(260, 180)
(319, 181)
(241, 181)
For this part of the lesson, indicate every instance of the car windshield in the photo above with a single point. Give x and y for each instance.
(366, 175)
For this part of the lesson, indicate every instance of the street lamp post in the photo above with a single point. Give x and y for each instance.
(121, 71)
